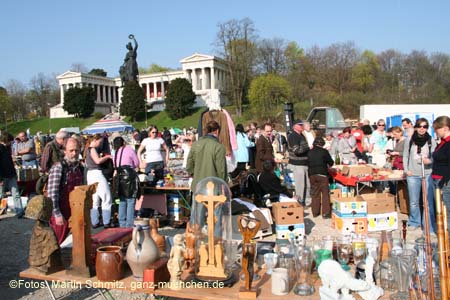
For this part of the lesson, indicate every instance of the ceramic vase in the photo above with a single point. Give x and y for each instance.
(142, 250)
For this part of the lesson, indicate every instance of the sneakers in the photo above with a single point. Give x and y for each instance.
(97, 225)
(110, 225)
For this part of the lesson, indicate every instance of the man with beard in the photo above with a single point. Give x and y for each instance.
(63, 177)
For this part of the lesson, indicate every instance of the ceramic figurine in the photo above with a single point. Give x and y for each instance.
(374, 291)
(189, 254)
(176, 261)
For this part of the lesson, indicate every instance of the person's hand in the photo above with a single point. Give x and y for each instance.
(409, 173)
(426, 161)
(59, 220)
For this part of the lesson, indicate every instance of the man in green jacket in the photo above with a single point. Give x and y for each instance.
(206, 158)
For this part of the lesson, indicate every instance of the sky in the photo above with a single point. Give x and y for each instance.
(48, 36)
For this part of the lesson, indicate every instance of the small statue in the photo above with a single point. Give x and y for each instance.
(334, 278)
(176, 261)
(45, 254)
(157, 237)
(203, 252)
(189, 255)
(374, 291)
(129, 69)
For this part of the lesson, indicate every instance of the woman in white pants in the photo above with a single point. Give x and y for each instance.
(94, 174)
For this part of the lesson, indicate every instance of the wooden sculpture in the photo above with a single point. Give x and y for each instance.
(45, 254)
(189, 254)
(176, 261)
(80, 205)
(159, 239)
(212, 268)
(249, 228)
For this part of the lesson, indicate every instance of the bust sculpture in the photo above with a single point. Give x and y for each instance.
(129, 69)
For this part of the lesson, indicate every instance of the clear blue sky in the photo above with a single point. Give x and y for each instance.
(48, 36)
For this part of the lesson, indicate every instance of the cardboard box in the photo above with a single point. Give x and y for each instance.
(349, 225)
(266, 224)
(284, 231)
(356, 170)
(379, 203)
(350, 207)
(379, 222)
(285, 213)
(335, 194)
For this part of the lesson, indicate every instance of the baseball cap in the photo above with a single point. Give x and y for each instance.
(298, 122)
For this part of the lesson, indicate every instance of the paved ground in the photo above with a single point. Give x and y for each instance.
(15, 235)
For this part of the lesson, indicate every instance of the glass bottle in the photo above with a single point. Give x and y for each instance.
(337, 158)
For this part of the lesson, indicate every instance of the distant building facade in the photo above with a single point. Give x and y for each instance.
(207, 74)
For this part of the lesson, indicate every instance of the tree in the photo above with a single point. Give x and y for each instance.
(98, 72)
(179, 99)
(78, 67)
(133, 100)
(17, 95)
(154, 68)
(236, 40)
(271, 56)
(80, 101)
(266, 94)
(366, 71)
(44, 93)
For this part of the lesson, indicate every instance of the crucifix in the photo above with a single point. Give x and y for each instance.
(214, 266)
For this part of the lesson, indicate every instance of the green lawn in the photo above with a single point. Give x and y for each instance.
(158, 118)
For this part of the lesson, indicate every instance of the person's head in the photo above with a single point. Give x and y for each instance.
(22, 136)
(240, 128)
(319, 142)
(367, 129)
(152, 131)
(61, 136)
(306, 126)
(212, 127)
(118, 142)
(329, 136)
(253, 125)
(381, 125)
(72, 150)
(268, 165)
(190, 138)
(96, 140)
(397, 132)
(406, 123)
(129, 46)
(365, 122)
(421, 126)
(442, 126)
(347, 131)
(267, 130)
(297, 126)
(6, 138)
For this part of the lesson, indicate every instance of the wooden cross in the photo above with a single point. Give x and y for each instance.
(210, 202)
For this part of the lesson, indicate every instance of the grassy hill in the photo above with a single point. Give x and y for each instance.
(158, 118)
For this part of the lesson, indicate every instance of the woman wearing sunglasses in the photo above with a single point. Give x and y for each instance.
(378, 141)
(417, 150)
(154, 159)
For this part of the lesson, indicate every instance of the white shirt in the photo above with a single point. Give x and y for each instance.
(153, 149)
(309, 138)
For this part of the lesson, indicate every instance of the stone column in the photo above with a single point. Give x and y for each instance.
(147, 91)
(98, 93)
(213, 78)
(203, 79)
(162, 89)
(194, 80)
(113, 92)
(155, 90)
(62, 94)
(104, 93)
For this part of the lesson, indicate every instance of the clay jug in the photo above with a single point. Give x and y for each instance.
(142, 250)
(158, 238)
(109, 263)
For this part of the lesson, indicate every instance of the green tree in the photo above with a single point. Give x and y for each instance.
(80, 101)
(98, 72)
(154, 68)
(179, 99)
(133, 100)
(266, 94)
(366, 71)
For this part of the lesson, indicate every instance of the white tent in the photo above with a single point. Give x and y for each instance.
(108, 126)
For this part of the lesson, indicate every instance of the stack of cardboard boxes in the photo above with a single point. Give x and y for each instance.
(381, 212)
(288, 217)
(175, 210)
(349, 214)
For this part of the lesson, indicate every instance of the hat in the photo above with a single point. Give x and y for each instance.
(297, 122)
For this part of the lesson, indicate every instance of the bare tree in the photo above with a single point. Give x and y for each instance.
(236, 42)
(17, 98)
(78, 67)
(271, 56)
(43, 94)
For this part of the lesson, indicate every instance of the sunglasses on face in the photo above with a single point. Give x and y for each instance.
(423, 126)
(154, 132)
(188, 140)
(381, 125)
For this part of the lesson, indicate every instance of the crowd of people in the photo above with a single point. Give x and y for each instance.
(69, 161)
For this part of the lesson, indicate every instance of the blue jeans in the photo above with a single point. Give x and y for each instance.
(126, 211)
(31, 163)
(415, 195)
(445, 197)
(11, 185)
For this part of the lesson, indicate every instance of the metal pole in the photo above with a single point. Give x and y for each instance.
(6, 121)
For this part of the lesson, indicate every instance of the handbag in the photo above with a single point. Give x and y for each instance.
(107, 169)
(126, 181)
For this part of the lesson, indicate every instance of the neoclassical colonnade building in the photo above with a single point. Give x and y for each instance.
(207, 74)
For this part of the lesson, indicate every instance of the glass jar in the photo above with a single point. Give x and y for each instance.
(387, 275)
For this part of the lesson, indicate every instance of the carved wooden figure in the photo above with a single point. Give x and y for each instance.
(80, 204)
(176, 261)
(211, 202)
(189, 254)
(249, 228)
(157, 237)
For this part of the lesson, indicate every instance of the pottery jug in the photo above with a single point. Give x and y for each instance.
(109, 263)
(142, 251)
(157, 238)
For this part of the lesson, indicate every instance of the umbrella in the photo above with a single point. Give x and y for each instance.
(108, 126)
(175, 131)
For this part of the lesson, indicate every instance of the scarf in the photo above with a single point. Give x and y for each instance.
(420, 140)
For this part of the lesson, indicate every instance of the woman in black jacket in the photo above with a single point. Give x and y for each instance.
(319, 160)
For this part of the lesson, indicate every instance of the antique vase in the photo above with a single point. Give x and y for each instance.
(109, 263)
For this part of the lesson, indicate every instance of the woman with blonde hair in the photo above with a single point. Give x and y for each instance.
(94, 174)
